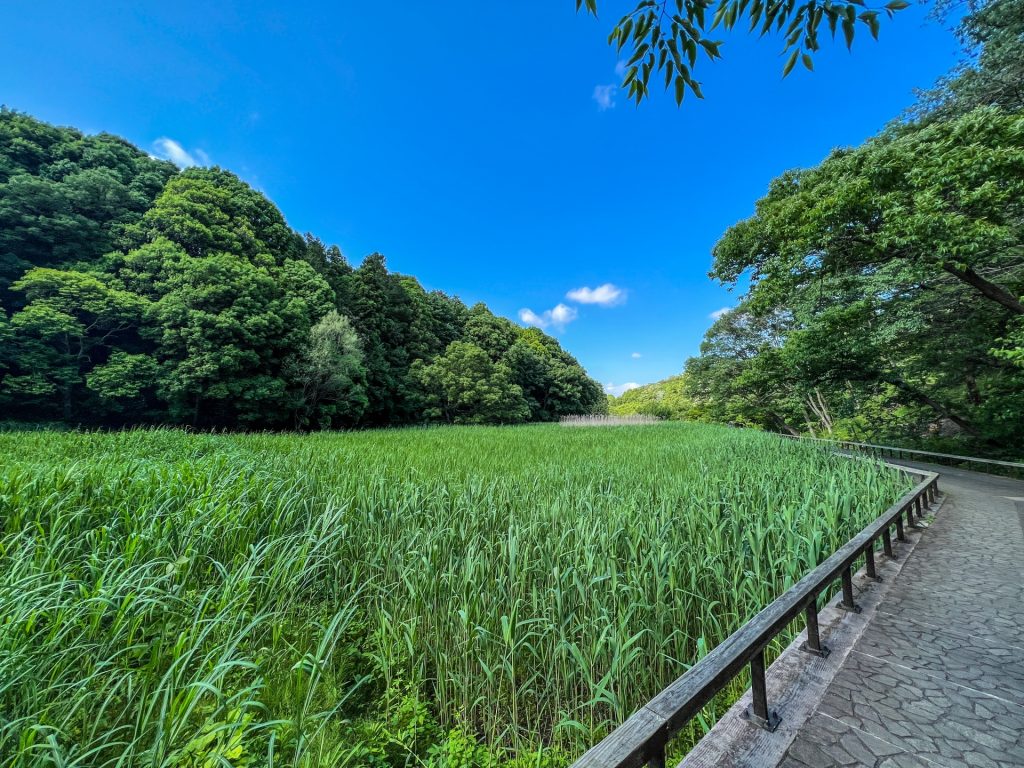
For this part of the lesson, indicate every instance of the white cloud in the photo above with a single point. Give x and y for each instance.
(620, 389)
(606, 295)
(718, 314)
(557, 317)
(604, 95)
(636, 355)
(620, 69)
(169, 149)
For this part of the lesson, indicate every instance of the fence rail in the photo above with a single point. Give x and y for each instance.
(642, 739)
(905, 453)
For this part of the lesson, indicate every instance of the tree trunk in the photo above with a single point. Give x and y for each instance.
(973, 393)
(783, 425)
(934, 404)
(988, 289)
(66, 403)
(808, 422)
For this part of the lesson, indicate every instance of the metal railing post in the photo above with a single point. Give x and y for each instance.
(758, 712)
(848, 603)
(918, 512)
(887, 543)
(657, 760)
(813, 642)
(899, 528)
(869, 563)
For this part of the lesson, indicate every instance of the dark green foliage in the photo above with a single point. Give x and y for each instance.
(666, 37)
(135, 294)
(382, 314)
(993, 75)
(464, 386)
(885, 300)
(66, 198)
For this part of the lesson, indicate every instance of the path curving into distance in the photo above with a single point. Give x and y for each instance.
(937, 676)
(929, 673)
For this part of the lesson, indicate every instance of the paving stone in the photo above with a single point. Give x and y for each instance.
(989, 666)
(824, 742)
(937, 677)
(935, 719)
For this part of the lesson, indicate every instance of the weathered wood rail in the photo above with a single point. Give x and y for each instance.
(909, 453)
(642, 739)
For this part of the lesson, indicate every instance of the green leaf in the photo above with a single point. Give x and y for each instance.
(808, 63)
(790, 62)
(848, 32)
(624, 30)
(711, 48)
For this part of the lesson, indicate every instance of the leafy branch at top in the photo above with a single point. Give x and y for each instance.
(666, 36)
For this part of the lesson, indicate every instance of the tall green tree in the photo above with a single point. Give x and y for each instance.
(382, 315)
(879, 257)
(233, 299)
(69, 325)
(464, 386)
(331, 375)
(66, 198)
(944, 198)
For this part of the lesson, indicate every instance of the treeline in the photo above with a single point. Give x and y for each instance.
(133, 293)
(666, 399)
(885, 283)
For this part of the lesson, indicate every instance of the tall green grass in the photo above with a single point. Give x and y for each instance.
(389, 597)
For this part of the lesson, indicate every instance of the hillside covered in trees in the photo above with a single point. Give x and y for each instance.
(133, 293)
(886, 282)
(666, 399)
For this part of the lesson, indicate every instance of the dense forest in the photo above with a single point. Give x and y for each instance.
(884, 299)
(133, 293)
(885, 283)
(666, 399)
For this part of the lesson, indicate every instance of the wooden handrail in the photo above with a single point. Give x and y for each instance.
(896, 450)
(641, 739)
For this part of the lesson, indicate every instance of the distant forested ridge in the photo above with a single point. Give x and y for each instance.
(133, 293)
(666, 399)
(886, 282)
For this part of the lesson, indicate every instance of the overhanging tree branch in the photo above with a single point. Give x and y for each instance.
(987, 288)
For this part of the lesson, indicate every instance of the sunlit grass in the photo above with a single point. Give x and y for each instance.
(171, 599)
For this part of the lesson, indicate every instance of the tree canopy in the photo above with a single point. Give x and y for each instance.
(666, 399)
(885, 283)
(135, 293)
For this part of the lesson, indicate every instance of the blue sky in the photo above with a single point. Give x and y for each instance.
(480, 146)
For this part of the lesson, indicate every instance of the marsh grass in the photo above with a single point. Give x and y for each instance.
(388, 597)
(599, 420)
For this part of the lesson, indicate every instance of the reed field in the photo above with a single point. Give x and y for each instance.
(445, 597)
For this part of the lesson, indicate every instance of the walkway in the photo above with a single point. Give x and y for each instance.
(931, 674)
(937, 677)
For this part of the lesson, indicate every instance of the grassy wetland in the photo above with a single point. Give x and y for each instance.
(427, 597)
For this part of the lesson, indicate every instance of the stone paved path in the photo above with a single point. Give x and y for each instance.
(937, 677)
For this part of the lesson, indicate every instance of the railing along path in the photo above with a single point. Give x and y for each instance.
(642, 739)
(907, 453)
